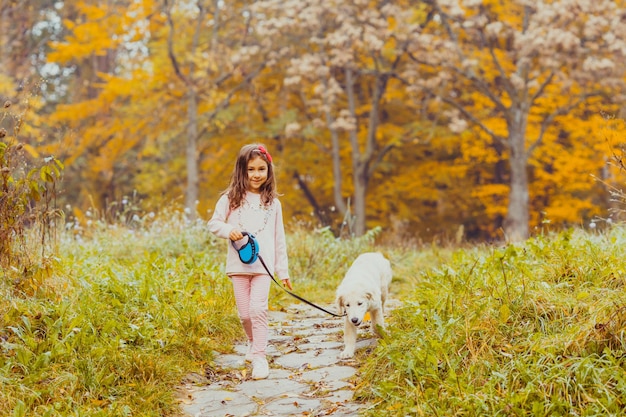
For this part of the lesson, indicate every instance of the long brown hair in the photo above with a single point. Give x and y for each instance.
(239, 179)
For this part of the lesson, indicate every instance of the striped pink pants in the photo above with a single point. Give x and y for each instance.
(251, 296)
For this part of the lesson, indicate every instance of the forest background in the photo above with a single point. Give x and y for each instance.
(433, 119)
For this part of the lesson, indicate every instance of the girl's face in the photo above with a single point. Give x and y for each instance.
(257, 174)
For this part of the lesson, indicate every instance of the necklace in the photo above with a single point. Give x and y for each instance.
(257, 209)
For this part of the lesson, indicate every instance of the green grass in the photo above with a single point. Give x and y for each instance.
(124, 315)
(536, 329)
(111, 324)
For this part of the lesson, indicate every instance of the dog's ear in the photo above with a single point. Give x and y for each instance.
(340, 307)
(369, 295)
(339, 301)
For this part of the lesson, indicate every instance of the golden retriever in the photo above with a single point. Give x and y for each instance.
(363, 289)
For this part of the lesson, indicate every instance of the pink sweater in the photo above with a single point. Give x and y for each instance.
(265, 223)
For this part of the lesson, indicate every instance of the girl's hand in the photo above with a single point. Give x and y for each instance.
(235, 235)
(287, 283)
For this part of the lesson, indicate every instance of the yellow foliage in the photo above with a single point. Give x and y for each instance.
(570, 211)
(31, 150)
(494, 198)
(6, 84)
(102, 27)
(130, 116)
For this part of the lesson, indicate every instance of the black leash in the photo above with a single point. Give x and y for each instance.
(296, 295)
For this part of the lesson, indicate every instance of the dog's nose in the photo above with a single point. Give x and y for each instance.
(354, 320)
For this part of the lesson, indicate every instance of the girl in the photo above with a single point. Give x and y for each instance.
(250, 204)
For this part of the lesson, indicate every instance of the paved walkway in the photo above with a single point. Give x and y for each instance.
(306, 376)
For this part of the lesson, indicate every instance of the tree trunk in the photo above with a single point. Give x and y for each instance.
(517, 217)
(192, 190)
(358, 220)
(5, 25)
(319, 213)
(360, 192)
(336, 158)
(362, 162)
(191, 193)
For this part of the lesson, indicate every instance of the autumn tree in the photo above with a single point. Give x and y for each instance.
(341, 68)
(510, 69)
(25, 31)
(96, 48)
(216, 54)
(161, 73)
(23, 37)
(354, 97)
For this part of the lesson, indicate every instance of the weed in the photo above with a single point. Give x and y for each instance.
(28, 190)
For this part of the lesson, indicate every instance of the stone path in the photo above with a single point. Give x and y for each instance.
(306, 376)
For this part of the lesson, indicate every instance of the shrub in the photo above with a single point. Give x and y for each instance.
(28, 191)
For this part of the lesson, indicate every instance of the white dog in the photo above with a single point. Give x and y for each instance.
(364, 289)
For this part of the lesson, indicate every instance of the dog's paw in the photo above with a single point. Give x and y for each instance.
(346, 354)
(378, 329)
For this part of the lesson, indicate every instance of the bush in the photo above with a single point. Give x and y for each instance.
(27, 195)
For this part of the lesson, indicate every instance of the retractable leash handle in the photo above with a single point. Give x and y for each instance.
(249, 253)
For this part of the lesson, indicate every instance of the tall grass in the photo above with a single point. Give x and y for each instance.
(124, 312)
(112, 330)
(533, 329)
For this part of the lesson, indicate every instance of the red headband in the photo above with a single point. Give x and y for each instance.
(266, 153)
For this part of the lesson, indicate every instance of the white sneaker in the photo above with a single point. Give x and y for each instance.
(260, 368)
(249, 356)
